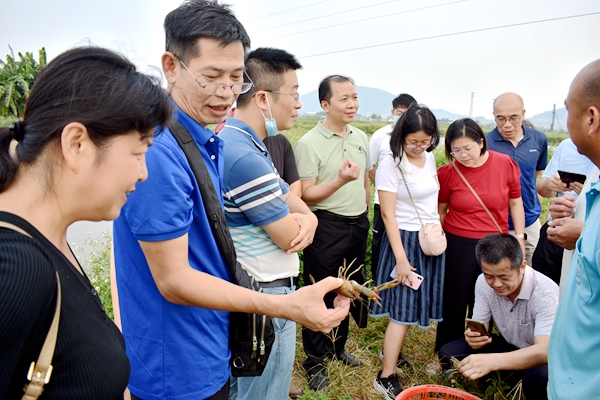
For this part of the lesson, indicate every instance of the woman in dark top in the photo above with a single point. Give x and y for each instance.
(79, 151)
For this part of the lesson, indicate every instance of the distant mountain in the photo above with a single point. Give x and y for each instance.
(372, 101)
(544, 120)
(379, 102)
(443, 114)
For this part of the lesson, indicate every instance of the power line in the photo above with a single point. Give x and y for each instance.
(453, 34)
(369, 19)
(329, 15)
(291, 9)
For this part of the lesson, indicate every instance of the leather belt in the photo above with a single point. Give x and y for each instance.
(340, 218)
(283, 282)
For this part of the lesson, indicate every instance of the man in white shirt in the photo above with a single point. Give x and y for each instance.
(522, 303)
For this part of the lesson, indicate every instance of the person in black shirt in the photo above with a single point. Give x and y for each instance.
(78, 153)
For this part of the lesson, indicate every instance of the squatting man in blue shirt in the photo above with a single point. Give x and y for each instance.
(522, 303)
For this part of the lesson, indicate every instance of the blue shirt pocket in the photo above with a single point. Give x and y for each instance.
(582, 280)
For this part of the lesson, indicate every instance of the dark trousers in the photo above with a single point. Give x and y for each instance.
(378, 232)
(535, 379)
(462, 270)
(222, 394)
(334, 242)
(547, 257)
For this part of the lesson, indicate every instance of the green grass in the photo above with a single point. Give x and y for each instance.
(346, 383)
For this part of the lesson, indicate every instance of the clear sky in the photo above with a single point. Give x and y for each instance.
(443, 49)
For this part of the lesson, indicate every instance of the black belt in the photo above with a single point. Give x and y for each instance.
(283, 282)
(340, 218)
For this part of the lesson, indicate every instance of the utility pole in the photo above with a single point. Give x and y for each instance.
(471, 108)
(553, 118)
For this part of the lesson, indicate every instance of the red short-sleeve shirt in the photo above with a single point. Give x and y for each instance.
(495, 182)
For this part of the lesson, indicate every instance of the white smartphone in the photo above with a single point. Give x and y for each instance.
(416, 279)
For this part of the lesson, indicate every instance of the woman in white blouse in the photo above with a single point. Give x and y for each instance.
(411, 165)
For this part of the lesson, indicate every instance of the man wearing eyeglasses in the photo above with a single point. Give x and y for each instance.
(268, 223)
(529, 149)
(172, 277)
(333, 162)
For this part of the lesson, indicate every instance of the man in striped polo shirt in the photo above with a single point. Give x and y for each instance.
(268, 223)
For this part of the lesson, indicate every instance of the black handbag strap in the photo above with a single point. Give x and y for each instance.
(212, 204)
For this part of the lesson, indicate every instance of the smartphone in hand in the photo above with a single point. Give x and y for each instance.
(570, 177)
(477, 326)
(416, 279)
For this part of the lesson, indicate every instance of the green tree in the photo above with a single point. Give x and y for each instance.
(16, 79)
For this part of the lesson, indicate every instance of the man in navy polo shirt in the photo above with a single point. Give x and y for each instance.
(529, 149)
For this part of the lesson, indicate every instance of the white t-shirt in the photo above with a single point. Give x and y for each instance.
(567, 158)
(423, 186)
(379, 147)
(580, 208)
(532, 313)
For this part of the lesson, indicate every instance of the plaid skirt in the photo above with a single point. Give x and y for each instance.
(402, 304)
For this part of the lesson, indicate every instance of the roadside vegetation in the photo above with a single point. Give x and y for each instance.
(16, 78)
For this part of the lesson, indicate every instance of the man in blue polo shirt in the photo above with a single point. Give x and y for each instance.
(529, 149)
(574, 351)
(264, 217)
(172, 278)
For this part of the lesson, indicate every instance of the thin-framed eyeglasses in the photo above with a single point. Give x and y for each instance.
(236, 88)
(295, 95)
(457, 153)
(417, 146)
(502, 120)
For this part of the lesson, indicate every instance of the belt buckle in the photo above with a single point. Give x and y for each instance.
(353, 220)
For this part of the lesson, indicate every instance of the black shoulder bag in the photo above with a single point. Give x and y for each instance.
(251, 336)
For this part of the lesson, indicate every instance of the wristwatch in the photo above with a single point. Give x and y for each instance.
(521, 236)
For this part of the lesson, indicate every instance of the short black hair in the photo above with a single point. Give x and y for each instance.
(325, 92)
(464, 127)
(266, 66)
(196, 19)
(403, 100)
(494, 248)
(416, 118)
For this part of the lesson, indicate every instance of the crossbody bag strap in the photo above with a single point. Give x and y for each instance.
(409, 195)
(210, 199)
(477, 197)
(40, 371)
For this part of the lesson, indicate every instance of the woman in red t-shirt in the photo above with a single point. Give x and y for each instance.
(495, 178)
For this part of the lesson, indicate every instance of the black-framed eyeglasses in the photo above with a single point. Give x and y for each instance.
(236, 88)
(513, 119)
(295, 95)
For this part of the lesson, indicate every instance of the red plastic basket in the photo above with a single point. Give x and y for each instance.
(434, 392)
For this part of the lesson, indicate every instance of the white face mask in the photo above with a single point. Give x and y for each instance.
(270, 123)
(396, 119)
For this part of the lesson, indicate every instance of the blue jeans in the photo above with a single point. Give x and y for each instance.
(274, 383)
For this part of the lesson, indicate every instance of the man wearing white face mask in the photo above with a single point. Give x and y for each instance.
(379, 147)
(264, 217)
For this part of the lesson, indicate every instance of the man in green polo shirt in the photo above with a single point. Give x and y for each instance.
(333, 160)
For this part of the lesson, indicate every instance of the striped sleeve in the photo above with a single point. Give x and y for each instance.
(255, 190)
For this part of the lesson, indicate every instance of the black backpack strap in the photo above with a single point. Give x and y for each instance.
(212, 204)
